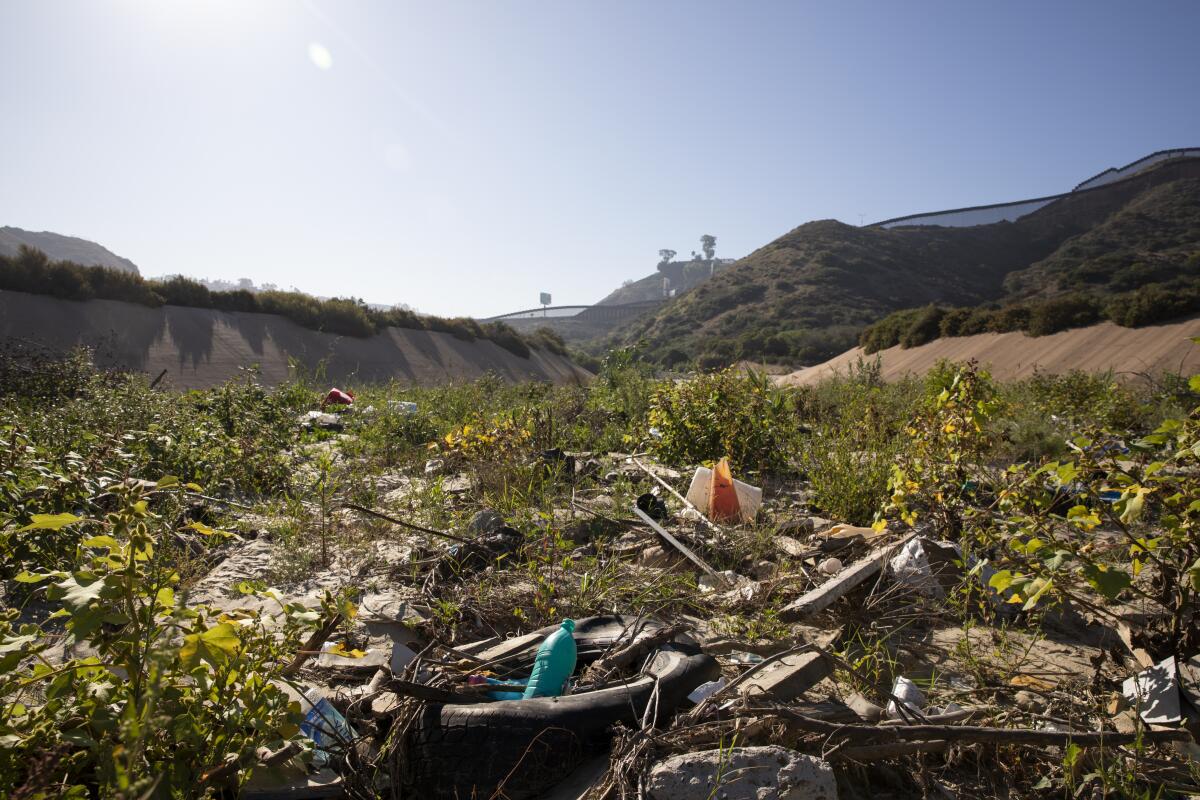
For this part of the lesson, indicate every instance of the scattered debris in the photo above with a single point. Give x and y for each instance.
(845, 582)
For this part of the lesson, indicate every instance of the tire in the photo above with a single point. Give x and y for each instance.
(526, 746)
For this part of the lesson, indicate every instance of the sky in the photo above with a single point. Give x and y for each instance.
(461, 157)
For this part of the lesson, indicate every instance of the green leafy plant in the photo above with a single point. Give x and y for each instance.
(171, 701)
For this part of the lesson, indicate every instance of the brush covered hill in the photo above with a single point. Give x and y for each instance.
(807, 295)
(63, 248)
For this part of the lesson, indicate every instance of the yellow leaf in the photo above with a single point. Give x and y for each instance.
(50, 522)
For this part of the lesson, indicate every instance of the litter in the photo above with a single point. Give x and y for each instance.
(336, 397)
(325, 725)
(554, 663)
(1154, 693)
(910, 696)
(926, 566)
(706, 690)
(749, 498)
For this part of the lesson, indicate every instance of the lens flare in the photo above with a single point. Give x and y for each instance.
(320, 56)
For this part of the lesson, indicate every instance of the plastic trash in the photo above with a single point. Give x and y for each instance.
(326, 726)
(1154, 693)
(653, 507)
(742, 657)
(336, 397)
(927, 566)
(403, 406)
(722, 497)
(554, 663)
(705, 689)
(749, 498)
(910, 696)
(478, 680)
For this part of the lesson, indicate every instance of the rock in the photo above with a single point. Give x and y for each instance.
(603, 502)
(485, 522)
(1028, 701)
(746, 773)
(658, 557)
(434, 465)
(865, 709)
(764, 570)
(830, 566)
(797, 526)
(791, 547)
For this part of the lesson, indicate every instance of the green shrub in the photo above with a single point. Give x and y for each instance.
(728, 413)
(1151, 305)
(924, 327)
(1062, 313)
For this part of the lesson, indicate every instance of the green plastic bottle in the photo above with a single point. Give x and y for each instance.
(554, 663)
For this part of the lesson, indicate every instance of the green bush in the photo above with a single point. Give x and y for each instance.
(924, 328)
(728, 413)
(1062, 313)
(1151, 305)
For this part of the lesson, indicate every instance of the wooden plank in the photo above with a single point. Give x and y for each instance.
(681, 547)
(841, 584)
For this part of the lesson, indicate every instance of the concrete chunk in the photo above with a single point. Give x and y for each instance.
(787, 678)
(743, 773)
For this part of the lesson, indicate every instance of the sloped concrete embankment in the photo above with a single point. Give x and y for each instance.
(200, 347)
(1129, 353)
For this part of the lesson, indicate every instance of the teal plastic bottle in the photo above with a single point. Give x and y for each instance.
(554, 663)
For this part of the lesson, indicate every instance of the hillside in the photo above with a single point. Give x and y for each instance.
(202, 347)
(63, 248)
(687, 275)
(1127, 352)
(805, 296)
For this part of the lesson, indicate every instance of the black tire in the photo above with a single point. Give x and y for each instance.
(526, 746)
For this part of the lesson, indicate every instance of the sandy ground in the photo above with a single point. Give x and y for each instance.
(1128, 352)
(201, 348)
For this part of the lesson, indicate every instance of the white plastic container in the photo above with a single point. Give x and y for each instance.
(749, 497)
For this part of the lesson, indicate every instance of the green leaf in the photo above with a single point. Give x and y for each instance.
(1134, 498)
(50, 522)
(30, 577)
(215, 645)
(167, 480)
(1194, 381)
(1194, 575)
(102, 541)
(1001, 580)
(77, 595)
(165, 597)
(1108, 582)
(1041, 590)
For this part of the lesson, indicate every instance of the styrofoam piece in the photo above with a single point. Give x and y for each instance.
(749, 497)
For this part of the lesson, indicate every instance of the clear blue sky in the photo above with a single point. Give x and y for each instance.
(462, 157)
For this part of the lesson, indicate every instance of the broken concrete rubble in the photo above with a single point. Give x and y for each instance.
(743, 773)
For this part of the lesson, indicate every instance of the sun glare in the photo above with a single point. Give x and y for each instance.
(319, 55)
